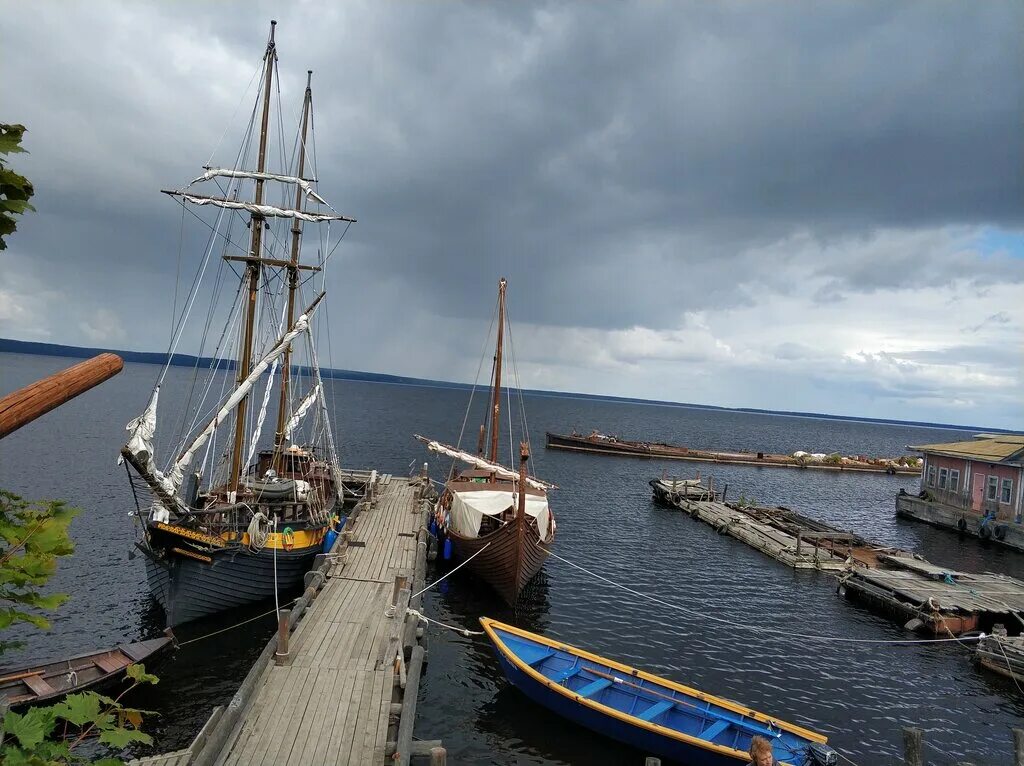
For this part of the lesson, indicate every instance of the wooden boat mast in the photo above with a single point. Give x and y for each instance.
(252, 271)
(524, 455)
(293, 274)
(496, 400)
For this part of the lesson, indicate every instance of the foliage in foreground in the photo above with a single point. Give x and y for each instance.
(15, 189)
(33, 536)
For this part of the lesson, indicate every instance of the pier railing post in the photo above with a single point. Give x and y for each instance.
(281, 655)
(912, 753)
(1018, 747)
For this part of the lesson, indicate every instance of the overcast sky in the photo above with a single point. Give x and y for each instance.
(802, 206)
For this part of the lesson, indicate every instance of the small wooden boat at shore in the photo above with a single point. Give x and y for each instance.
(602, 444)
(652, 714)
(669, 491)
(50, 681)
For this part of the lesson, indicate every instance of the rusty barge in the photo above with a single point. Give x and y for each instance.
(602, 444)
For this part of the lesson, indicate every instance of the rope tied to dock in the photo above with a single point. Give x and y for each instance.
(463, 631)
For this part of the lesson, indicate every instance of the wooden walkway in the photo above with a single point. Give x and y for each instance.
(338, 697)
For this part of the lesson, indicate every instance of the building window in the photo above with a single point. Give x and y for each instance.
(954, 480)
(931, 476)
(992, 488)
(943, 477)
(1007, 494)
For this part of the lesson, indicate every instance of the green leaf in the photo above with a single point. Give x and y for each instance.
(123, 737)
(10, 138)
(29, 729)
(79, 709)
(138, 674)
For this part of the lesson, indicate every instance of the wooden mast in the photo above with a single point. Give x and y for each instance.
(496, 400)
(524, 455)
(293, 274)
(253, 272)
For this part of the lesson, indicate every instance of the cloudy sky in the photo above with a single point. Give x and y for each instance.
(797, 206)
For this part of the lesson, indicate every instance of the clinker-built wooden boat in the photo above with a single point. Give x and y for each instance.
(496, 519)
(47, 682)
(652, 714)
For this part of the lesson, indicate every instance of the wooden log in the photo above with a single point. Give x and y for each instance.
(912, 754)
(405, 725)
(1018, 747)
(36, 399)
(281, 655)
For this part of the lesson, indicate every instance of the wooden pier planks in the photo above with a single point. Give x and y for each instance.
(764, 537)
(332, 703)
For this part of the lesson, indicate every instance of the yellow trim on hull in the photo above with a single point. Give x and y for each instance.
(298, 540)
(489, 626)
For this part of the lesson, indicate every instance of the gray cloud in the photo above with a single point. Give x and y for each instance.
(623, 164)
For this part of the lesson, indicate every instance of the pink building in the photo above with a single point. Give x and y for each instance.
(975, 487)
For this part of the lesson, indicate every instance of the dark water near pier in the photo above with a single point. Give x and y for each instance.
(859, 694)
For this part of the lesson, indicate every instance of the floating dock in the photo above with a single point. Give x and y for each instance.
(338, 685)
(602, 444)
(926, 598)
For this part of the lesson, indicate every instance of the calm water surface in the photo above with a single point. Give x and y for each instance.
(858, 694)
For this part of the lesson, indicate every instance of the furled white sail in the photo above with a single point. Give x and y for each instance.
(302, 183)
(178, 470)
(296, 418)
(267, 211)
(140, 443)
(258, 431)
(479, 462)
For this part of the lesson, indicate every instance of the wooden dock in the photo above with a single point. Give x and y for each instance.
(339, 683)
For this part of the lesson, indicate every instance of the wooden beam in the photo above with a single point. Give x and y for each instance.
(36, 399)
(271, 262)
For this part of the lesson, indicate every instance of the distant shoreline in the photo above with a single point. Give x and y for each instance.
(186, 360)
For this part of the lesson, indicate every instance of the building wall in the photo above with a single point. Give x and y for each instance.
(966, 496)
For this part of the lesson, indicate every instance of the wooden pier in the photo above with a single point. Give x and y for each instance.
(338, 685)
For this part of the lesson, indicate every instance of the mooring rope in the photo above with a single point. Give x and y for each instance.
(464, 631)
(449, 572)
(236, 625)
(761, 629)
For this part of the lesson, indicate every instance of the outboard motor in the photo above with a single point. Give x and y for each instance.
(822, 755)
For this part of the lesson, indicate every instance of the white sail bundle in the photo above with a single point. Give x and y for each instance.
(140, 444)
(302, 183)
(479, 462)
(178, 469)
(296, 418)
(267, 211)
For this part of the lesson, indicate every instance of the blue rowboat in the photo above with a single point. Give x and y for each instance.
(652, 714)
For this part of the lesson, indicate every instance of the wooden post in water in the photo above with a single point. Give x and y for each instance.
(651, 761)
(36, 399)
(438, 756)
(912, 752)
(1018, 747)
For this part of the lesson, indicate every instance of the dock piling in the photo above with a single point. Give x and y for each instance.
(438, 756)
(281, 654)
(912, 753)
(1018, 747)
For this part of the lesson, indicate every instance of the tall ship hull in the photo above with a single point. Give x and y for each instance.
(189, 589)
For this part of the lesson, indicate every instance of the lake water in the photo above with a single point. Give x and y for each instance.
(860, 695)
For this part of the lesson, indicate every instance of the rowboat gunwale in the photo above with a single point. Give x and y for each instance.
(491, 626)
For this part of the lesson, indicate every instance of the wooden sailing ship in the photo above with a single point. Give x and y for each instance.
(497, 520)
(235, 519)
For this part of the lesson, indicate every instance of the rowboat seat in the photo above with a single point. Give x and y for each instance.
(535, 661)
(532, 655)
(655, 710)
(594, 687)
(714, 730)
(111, 663)
(39, 685)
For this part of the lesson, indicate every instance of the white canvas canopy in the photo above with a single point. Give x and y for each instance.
(469, 508)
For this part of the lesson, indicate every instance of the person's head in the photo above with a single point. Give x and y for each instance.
(760, 752)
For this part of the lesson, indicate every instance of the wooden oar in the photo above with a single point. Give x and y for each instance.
(756, 728)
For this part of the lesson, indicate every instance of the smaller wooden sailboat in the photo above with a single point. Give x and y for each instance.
(497, 520)
(653, 714)
(49, 681)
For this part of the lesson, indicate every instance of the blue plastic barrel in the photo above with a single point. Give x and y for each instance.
(447, 548)
(329, 539)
